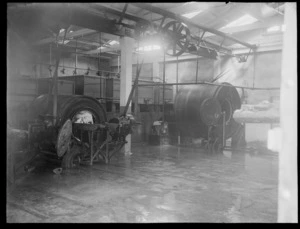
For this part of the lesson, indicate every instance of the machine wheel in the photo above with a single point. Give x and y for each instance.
(177, 38)
(82, 104)
(68, 107)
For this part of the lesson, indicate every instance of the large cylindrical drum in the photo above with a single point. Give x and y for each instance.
(199, 106)
(70, 109)
(73, 107)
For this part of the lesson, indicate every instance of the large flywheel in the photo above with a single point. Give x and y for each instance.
(177, 37)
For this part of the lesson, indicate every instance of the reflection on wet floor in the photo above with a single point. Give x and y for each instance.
(154, 184)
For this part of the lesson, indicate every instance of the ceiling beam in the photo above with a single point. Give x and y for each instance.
(188, 22)
(102, 7)
(105, 49)
(279, 9)
(78, 33)
(85, 42)
(81, 33)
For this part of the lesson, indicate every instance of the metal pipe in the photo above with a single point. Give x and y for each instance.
(203, 82)
(93, 70)
(100, 91)
(133, 88)
(136, 92)
(91, 136)
(224, 126)
(55, 76)
(117, 79)
(50, 52)
(177, 75)
(75, 58)
(197, 69)
(118, 64)
(99, 64)
(253, 69)
(55, 91)
(86, 54)
(164, 78)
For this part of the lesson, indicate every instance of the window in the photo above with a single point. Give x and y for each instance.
(244, 20)
(191, 14)
(276, 28)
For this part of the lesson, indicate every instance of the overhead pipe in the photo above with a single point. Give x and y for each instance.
(207, 83)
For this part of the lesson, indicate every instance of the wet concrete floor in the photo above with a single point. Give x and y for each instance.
(154, 184)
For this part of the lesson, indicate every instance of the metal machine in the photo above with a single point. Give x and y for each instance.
(82, 133)
(205, 111)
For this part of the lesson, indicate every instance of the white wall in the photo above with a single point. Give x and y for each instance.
(260, 70)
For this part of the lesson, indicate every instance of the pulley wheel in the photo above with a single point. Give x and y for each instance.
(64, 138)
(177, 37)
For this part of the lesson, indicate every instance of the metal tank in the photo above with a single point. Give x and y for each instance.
(199, 106)
(68, 107)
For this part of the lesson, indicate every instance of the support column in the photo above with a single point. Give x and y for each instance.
(288, 187)
(126, 44)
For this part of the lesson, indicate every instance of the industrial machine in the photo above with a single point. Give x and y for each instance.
(81, 133)
(205, 111)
